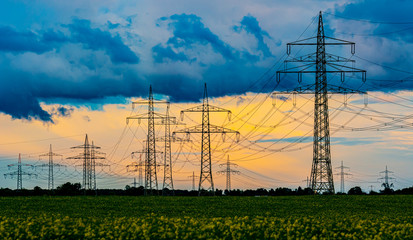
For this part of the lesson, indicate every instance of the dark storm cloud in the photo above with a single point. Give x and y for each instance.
(15, 41)
(96, 39)
(232, 75)
(161, 54)
(379, 24)
(251, 25)
(382, 13)
(188, 30)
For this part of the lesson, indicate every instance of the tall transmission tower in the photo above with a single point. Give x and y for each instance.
(20, 173)
(151, 181)
(386, 178)
(321, 178)
(88, 156)
(228, 171)
(342, 174)
(50, 166)
(205, 179)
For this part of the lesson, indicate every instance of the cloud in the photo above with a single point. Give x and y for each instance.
(96, 39)
(189, 31)
(17, 42)
(251, 25)
(62, 111)
(161, 53)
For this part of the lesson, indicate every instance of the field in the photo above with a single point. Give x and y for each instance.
(117, 217)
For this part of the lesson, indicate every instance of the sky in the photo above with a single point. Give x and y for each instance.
(74, 67)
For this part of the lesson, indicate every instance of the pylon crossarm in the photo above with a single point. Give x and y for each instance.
(86, 146)
(212, 129)
(312, 58)
(146, 102)
(306, 42)
(306, 89)
(146, 116)
(172, 138)
(347, 69)
(50, 154)
(172, 121)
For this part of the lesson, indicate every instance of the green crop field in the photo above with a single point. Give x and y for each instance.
(296, 217)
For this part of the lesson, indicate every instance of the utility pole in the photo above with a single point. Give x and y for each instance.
(19, 172)
(88, 156)
(321, 179)
(151, 181)
(228, 171)
(386, 178)
(371, 188)
(342, 174)
(205, 179)
(50, 165)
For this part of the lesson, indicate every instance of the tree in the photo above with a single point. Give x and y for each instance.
(355, 191)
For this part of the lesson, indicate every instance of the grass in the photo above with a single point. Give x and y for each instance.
(295, 217)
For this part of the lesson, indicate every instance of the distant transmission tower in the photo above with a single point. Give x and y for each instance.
(342, 174)
(386, 178)
(19, 172)
(88, 156)
(50, 165)
(167, 139)
(151, 181)
(193, 176)
(321, 179)
(228, 171)
(137, 167)
(206, 129)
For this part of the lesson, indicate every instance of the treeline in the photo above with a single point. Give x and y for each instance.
(74, 189)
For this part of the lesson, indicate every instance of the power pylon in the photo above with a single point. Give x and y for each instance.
(50, 165)
(151, 181)
(134, 183)
(321, 179)
(206, 129)
(193, 176)
(88, 156)
(137, 167)
(19, 172)
(386, 178)
(228, 171)
(167, 139)
(342, 174)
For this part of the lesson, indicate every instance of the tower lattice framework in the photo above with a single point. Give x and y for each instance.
(206, 183)
(321, 178)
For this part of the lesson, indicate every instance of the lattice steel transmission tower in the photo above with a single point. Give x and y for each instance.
(50, 166)
(19, 172)
(151, 181)
(206, 129)
(193, 176)
(168, 139)
(386, 178)
(137, 167)
(342, 174)
(228, 171)
(321, 178)
(88, 156)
